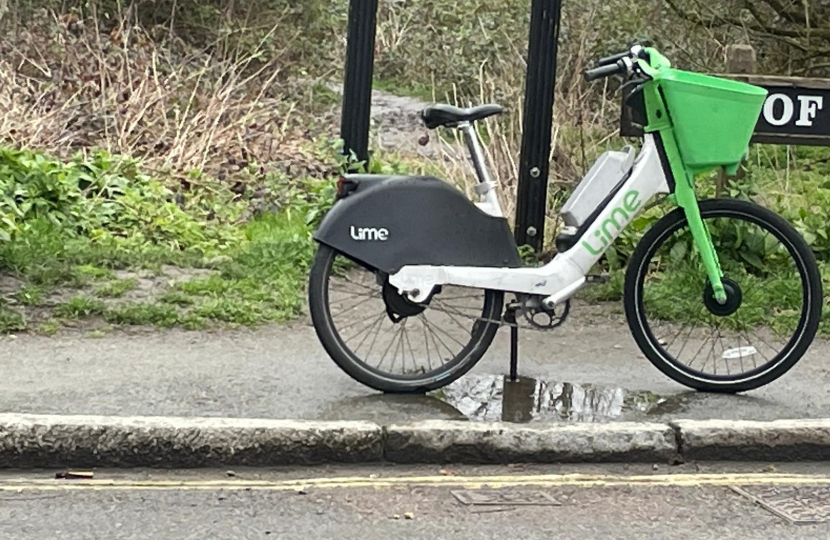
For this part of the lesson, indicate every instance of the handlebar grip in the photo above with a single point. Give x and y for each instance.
(608, 60)
(604, 71)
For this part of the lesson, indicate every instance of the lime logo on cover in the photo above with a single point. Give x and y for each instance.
(370, 234)
(618, 219)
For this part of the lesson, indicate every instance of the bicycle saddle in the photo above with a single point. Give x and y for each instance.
(447, 115)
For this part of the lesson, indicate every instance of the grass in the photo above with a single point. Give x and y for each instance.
(11, 320)
(162, 315)
(31, 294)
(74, 223)
(80, 306)
(117, 288)
(48, 328)
(261, 280)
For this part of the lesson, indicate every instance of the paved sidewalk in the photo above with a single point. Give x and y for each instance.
(588, 370)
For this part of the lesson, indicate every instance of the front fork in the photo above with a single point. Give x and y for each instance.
(684, 196)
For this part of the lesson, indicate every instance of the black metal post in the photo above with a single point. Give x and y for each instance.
(538, 121)
(514, 352)
(357, 86)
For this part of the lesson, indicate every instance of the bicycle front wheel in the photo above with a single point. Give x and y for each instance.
(773, 307)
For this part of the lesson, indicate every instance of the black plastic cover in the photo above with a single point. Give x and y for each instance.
(393, 221)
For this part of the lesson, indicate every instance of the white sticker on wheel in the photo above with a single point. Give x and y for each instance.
(739, 352)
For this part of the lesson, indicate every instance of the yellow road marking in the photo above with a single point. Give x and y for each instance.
(467, 482)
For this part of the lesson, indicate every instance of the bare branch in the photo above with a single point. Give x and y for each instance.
(787, 12)
(760, 25)
(696, 18)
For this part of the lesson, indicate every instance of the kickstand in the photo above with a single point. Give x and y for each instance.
(510, 318)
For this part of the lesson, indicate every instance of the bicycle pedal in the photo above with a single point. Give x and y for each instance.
(598, 278)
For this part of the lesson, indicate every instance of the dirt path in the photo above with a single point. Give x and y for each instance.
(397, 126)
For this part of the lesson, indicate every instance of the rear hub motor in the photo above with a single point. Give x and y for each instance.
(399, 307)
(734, 296)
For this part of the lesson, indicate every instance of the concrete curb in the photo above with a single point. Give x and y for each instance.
(43, 441)
(741, 440)
(465, 442)
(105, 441)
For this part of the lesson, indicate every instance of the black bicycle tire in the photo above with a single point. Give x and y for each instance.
(798, 249)
(351, 365)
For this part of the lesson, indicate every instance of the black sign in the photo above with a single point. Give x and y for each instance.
(796, 111)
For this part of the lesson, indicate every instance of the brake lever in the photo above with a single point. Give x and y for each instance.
(633, 82)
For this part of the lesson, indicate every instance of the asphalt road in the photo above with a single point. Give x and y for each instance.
(588, 370)
(613, 502)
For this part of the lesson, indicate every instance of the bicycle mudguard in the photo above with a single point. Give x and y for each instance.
(387, 222)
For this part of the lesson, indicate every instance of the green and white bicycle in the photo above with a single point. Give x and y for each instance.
(407, 289)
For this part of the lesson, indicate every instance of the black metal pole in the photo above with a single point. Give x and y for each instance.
(514, 351)
(357, 85)
(538, 121)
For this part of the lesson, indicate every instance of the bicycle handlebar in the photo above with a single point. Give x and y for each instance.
(613, 59)
(621, 63)
(607, 70)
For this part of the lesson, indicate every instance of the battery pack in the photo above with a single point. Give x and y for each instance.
(604, 175)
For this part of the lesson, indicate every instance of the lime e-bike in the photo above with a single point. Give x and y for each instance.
(408, 287)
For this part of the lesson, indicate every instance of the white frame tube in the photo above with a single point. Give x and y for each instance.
(565, 274)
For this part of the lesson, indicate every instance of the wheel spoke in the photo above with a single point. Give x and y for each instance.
(382, 358)
(358, 321)
(447, 334)
(698, 351)
(722, 352)
(762, 340)
(750, 342)
(372, 322)
(426, 343)
(398, 346)
(374, 339)
(714, 358)
(455, 320)
(373, 294)
(348, 309)
(378, 320)
(411, 352)
(361, 285)
(689, 335)
(740, 353)
(436, 336)
(674, 338)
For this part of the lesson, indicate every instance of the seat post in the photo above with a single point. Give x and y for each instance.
(476, 153)
(485, 187)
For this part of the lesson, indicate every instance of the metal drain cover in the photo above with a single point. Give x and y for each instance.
(801, 505)
(504, 497)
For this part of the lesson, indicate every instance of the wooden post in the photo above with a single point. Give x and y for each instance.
(740, 60)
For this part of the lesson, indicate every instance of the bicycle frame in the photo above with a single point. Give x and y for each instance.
(658, 169)
(565, 274)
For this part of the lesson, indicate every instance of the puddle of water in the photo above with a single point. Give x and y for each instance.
(495, 398)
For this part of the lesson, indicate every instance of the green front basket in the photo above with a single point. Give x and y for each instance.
(713, 118)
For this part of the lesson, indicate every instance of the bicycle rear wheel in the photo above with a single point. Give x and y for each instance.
(388, 343)
(773, 307)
